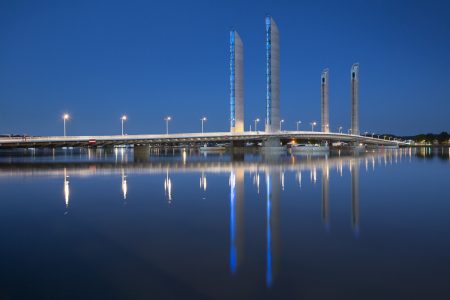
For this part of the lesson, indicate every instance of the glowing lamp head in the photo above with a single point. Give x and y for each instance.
(66, 116)
(124, 118)
(204, 119)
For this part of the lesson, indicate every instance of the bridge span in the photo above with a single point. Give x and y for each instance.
(177, 139)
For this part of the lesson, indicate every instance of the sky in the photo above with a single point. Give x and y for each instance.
(98, 60)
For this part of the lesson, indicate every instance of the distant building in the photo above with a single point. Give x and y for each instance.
(272, 76)
(236, 83)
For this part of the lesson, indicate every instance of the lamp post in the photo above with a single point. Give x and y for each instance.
(167, 119)
(349, 131)
(365, 133)
(373, 133)
(65, 118)
(281, 122)
(298, 124)
(312, 125)
(123, 119)
(256, 124)
(340, 129)
(203, 120)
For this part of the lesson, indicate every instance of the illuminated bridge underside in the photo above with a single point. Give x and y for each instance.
(186, 139)
(161, 167)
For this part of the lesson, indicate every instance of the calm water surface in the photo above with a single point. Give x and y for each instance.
(98, 224)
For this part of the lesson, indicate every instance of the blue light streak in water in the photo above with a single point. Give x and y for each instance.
(269, 234)
(233, 251)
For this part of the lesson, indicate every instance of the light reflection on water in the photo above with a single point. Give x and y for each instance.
(283, 177)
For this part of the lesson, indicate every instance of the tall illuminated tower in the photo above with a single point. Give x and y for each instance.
(325, 117)
(355, 98)
(272, 76)
(236, 83)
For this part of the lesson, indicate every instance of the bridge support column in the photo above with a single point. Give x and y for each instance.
(141, 153)
(237, 147)
(273, 145)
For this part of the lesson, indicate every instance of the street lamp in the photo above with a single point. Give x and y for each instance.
(365, 133)
(373, 133)
(256, 124)
(123, 119)
(340, 129)
(65, 118)
(349, 131)
(167, 119)
(281, 121)
(312, 125)
(298, 124)
(203, 120)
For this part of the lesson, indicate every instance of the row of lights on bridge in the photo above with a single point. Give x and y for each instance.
(167, 119)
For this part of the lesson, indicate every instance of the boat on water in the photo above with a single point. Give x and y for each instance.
(310, 148)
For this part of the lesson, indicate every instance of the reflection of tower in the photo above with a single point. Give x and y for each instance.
(325, 196)
(236, 82)
(256, 180)
(203, 182)
(124, 185)
(313, 174)
(272, 76)
(168, 187)
(354, 169)
(355, 98)
(236, 218)
(272, 225)
(66, 189)
(325, 117)
(299, 178)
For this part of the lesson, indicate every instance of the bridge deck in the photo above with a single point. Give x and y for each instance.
(184, 138)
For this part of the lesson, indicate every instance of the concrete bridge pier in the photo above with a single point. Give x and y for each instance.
(273, 145)
(238, 155)
(141, 153)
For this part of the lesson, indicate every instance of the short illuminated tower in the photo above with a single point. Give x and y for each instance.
(236, 83)
(325, 117)
(355, 97)
(272, 76)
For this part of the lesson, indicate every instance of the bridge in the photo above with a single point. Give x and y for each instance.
(189, 139)
(272, 135)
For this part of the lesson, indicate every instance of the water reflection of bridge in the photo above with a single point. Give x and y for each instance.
(185, 165)
(272, 168)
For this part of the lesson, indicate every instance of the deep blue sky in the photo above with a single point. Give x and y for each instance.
(147, 59)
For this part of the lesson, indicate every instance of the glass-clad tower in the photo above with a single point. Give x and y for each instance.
(355, 98)
(272, 76)
(236, 83)
(325, 116)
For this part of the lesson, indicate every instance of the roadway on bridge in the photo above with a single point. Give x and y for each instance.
(185, 138)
